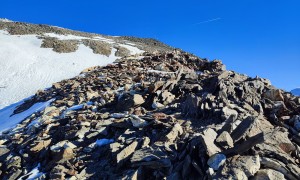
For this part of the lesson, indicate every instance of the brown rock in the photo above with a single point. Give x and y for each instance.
(175, 132)
(126, 152)
(274, 95)
(40, 145)
(66, 154)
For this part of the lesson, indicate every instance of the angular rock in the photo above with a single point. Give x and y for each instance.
(167, 97)
(190, 107)
(175, 132)
(126, 152)
(242, 129)
(66, 154)
(127, 101)
(208, 137)
(224, 140)
(40, 145)
(243, 166)
(150, 158)
(138, 99)
(246, 145)
(274, 95)
(268, 174)
(137, 122)
(227, 112)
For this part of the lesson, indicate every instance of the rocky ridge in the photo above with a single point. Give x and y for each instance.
(93, 40)
(163, 116)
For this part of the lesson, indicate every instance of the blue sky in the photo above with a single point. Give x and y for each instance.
(254, 37)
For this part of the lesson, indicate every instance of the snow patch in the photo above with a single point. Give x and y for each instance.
(5, 20)
(109, 41)
(33, 174)
(133, 50)
(160, 72)
(8, 119)
(65, 37)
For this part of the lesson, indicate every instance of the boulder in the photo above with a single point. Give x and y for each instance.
(242, 166)
(268, 174)
(126, 152)
(174, 133)
(208, 137)
(224, 140)
(274, 95)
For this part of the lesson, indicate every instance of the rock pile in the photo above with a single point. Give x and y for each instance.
(165, 116)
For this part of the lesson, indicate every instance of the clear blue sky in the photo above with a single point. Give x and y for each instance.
(254, 37)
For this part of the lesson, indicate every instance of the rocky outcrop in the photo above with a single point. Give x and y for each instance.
(165, 116)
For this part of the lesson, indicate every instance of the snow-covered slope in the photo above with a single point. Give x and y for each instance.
(26, 67)
(9, 119)
(296, 92)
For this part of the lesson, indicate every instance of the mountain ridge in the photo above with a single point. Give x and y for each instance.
(296, 92)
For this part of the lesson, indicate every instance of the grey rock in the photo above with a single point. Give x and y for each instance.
(137, 121)
(225, 140)
(268, 174)
(208, 137)
(227, 112)
(151, 158)
(243, 166)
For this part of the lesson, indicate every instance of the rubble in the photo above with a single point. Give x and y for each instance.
(163, 116)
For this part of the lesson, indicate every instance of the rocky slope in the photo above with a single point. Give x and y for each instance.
(32, 57)
(163, 116)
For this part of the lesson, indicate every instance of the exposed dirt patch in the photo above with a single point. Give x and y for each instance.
(98, 47)
(122, 52)
(60, 46)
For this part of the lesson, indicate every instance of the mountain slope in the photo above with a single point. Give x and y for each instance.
(35, 56)
(155, 116)
(296, 92)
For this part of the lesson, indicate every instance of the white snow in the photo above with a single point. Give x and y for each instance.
(133, 50)
(160, 72)
(62, 144)
(33, 174)
(76, 107)
(5, 20)
(8, 120)
(110, 41)
(132, 44)
(26, 68)
(73, 37)
(65, 37)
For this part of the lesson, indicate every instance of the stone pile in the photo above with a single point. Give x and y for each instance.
(160, 116)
